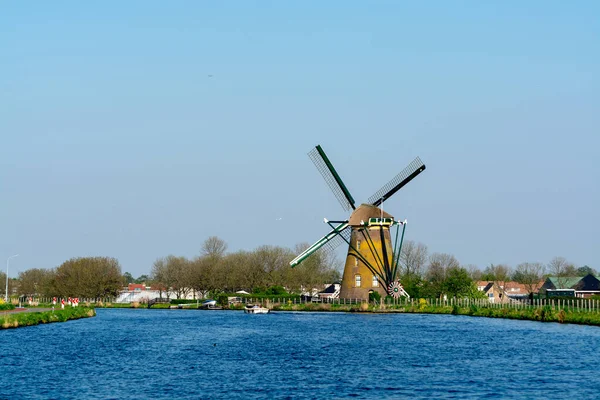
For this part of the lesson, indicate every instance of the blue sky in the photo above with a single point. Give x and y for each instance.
(117, 141)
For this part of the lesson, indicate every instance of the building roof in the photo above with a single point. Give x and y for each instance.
(329, 289)
(510, 287)
(564, 282)
(366, 211)
(134, 286)
(586, 283)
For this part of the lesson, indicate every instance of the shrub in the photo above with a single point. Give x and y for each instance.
(222, 300)
(374, 296)
(546, 314)
(561, 316)
(275, 291)
(6, 306)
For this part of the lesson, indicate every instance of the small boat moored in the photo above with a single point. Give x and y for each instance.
(209, 303)
(255, 309)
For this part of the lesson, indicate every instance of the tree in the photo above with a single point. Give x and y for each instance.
(13, 285)
(499, 274)
(474, 272)
(173, 273)
(458, 283)
(529, 274)
(214, 246)
(413, 259)
(586, 270)
(142, 279)
(561, 269)
(88, 277)
(128, 278)
(35, 281)
(439, 265)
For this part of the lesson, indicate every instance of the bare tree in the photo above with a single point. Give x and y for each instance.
(529, 274)
(474, 272)
(561, 269)
(214, 247)
(413, 259)
(439, 265)
(499, 273)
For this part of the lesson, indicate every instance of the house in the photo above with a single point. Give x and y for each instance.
(521, 291)
(135, 292)
(331, 292)
(493, 291)
(571, 286)
(504, 292)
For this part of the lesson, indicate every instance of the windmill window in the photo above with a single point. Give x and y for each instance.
(375, 281)
(356, 261)
(358, 244)
(357, 280)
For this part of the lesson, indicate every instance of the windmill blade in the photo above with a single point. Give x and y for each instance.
(408, 174)
(320, 243)
(342, 238)
(319, 158)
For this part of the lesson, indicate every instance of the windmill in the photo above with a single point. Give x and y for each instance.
(372, 260)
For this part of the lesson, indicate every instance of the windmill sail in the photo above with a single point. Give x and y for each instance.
(342, 238)
(319, 158)
(408, 174)
(320, 243)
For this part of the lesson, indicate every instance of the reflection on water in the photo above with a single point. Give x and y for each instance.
(159, 354)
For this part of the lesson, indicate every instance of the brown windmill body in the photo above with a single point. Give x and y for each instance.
(358, 280)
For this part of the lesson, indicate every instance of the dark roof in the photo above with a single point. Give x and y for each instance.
(588, 282)
(329, 289)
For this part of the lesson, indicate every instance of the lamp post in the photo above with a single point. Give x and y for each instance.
(7, 261)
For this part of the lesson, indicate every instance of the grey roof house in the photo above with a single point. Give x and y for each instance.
(572, 286)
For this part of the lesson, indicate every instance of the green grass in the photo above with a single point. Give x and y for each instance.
(17, 320)
(541, 314)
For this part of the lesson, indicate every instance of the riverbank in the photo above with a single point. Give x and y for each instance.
(561, 312)
(29, 318)
(542, 313)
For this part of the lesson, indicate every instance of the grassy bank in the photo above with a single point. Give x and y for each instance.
(546, 313)
(16, 320)
(560, 312)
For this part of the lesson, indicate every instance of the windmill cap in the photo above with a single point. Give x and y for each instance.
(364, 212)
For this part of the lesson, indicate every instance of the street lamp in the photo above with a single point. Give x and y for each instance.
(7, 261)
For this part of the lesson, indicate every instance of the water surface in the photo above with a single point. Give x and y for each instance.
(190, 354)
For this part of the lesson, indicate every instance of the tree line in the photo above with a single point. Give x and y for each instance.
(437, 274)
(214, 270)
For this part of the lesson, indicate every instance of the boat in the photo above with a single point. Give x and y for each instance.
(209, 303)
(255, 309)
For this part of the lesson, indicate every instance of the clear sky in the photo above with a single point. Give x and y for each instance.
(138, 129)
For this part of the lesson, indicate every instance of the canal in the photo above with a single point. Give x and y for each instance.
(190, 354)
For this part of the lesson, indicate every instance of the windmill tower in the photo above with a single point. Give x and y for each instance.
(373, 254)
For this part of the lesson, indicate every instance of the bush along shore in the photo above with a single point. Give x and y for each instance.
(573, 312)
(21, 319)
